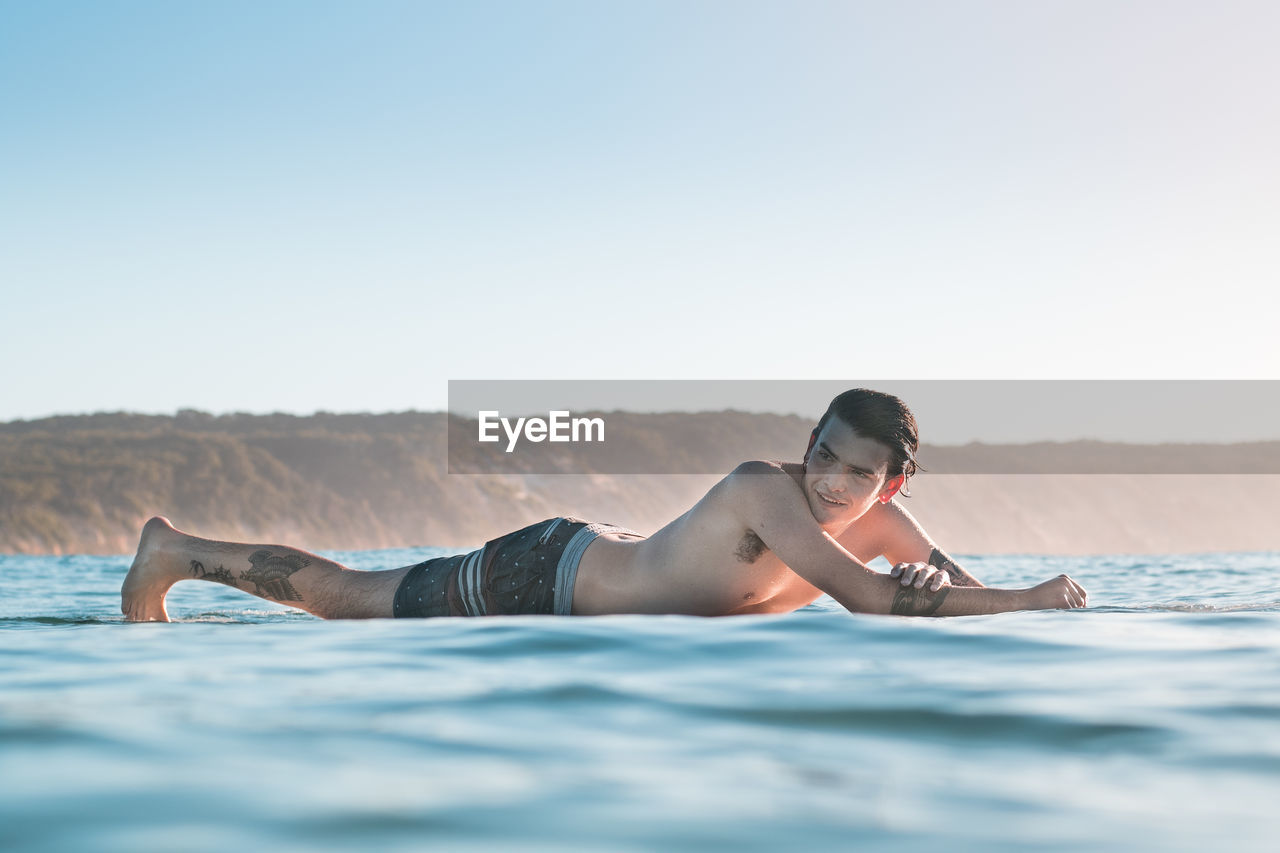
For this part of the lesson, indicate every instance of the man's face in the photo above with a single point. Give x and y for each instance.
(845, 475)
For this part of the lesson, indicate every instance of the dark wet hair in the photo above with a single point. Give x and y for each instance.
(880, 417)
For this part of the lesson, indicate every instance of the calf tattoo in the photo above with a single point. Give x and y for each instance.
(219, 574)
(959, 577)
(910, 601)
(270, 574)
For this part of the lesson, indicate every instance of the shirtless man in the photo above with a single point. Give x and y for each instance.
(769, 538)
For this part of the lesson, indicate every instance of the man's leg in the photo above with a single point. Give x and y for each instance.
(275, 572)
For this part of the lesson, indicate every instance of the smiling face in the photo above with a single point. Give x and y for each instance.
(845, 475)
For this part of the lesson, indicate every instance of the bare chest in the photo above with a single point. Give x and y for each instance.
(762, 582)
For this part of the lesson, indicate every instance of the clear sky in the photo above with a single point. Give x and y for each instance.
(299, 206)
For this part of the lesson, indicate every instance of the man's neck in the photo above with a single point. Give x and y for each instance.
(835, 531)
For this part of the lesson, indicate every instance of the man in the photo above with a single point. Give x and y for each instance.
(769, 538)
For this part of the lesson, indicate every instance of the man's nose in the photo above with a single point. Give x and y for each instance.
(833, 485)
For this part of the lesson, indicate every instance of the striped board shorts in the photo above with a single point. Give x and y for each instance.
(530, 571)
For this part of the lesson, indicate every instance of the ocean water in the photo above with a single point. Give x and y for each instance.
(1150, 720)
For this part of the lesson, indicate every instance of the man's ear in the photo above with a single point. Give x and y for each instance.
(892, 487)
(813, 437)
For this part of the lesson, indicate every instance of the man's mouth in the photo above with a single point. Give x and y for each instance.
(829, 501)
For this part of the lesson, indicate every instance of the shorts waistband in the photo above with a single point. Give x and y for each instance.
(567, 568)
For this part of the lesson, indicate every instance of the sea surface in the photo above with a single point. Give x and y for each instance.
(1149, 721)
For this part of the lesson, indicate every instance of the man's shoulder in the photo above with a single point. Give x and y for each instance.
(890, 516)
(755, 467)
(770, 468)
(757, 479)
(762, 474)
(893, 514)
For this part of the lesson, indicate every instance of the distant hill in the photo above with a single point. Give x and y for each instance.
(85, 484)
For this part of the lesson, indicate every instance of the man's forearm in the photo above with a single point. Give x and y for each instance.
(959, 577)
(955, 601)
(889, 596)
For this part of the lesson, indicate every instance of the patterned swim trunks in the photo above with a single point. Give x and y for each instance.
(530, 571)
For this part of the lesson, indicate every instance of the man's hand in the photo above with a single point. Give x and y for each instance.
(1060, 593)
(920, 575)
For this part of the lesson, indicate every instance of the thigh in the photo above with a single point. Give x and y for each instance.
(429, 588)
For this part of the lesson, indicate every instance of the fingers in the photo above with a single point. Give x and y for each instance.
(908, 572)
(932, 577)
(925, 576)
(920, 575)
(1075, 593)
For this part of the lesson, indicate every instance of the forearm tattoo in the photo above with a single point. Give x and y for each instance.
(909, 601)
(221, 575)
(270, 575)
(959, 577)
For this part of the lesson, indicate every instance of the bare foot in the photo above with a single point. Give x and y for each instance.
(156, 568)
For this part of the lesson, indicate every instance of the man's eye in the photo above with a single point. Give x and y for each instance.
(824, 454)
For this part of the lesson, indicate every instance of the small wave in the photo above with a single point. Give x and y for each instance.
(1201, 607)
(1039, 730)
(242, 617)
(26, 621)
(44, 733)
(1246, 710)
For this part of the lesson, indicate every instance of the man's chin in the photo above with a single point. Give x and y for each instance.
(826, 513)
(834, 517)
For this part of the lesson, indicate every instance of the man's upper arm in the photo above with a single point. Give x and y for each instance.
(903, 540)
